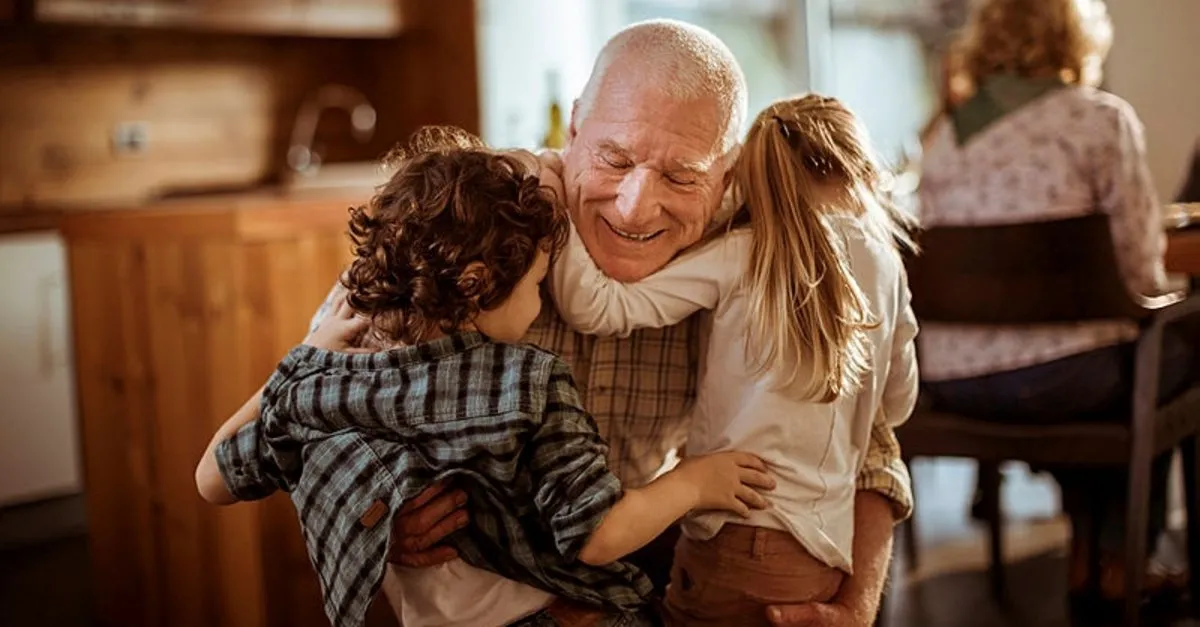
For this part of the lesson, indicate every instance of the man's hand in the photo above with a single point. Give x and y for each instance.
(425, 521)
(857, 602)
(817, 615)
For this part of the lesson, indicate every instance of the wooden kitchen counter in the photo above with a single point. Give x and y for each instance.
(181, 311)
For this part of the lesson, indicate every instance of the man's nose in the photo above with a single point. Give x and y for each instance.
(638, 197)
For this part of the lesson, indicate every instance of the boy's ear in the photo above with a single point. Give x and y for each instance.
(474, 280)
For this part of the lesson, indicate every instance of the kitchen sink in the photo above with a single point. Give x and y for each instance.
(364, 175)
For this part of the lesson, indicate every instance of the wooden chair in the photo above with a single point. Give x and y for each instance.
(1045, 273)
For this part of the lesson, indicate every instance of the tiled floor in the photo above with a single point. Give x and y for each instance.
(45, 585)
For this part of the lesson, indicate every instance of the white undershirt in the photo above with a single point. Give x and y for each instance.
(456, 594)
(813, 450)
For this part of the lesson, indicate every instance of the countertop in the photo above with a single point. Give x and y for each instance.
(253, 212)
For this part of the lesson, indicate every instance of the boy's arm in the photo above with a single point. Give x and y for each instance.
(591, 519)
(595, 304)
(208, 476)
(245, 468)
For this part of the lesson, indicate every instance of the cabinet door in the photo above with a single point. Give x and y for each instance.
(8, 9)
(39, 454)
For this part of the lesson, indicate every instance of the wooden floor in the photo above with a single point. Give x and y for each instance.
(45, 584)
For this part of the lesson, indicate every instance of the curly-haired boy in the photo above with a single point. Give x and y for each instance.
(449, 256)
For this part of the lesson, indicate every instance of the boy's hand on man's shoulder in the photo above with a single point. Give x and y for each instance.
(340, 330)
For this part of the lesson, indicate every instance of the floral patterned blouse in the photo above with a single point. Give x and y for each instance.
(1072, 152)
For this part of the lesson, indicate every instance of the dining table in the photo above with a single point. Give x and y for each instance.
(1183, 251)
(1182, 222)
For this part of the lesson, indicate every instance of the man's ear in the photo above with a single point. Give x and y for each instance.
(574, 115)
(728, 160)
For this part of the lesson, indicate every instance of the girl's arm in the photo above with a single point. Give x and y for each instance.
(590, 516)
(594, 304)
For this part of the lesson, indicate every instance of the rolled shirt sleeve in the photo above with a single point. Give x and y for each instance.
(573, 488)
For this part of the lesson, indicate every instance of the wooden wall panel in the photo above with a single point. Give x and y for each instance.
(218, 111)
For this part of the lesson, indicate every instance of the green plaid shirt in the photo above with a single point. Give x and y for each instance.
(352, 437)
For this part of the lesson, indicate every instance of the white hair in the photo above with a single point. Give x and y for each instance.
(686, 61)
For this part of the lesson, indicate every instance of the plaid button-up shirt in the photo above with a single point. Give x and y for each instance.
(352, 437)
(639, 390)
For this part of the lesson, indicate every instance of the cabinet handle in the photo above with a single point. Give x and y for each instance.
(50, 352)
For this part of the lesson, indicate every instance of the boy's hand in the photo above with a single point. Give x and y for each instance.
(425, 521)
(340, 330)
(727, 481)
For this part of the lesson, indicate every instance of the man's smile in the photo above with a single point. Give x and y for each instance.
(633, 237)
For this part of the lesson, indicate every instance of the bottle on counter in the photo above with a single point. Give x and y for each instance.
(556, 132)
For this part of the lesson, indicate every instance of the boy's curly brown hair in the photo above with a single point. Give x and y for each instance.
(450, 203)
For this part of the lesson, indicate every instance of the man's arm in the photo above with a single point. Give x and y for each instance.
(857, 603)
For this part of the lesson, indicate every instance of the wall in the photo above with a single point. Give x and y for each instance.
(520, 42)
(881, 74)
(1155, 65)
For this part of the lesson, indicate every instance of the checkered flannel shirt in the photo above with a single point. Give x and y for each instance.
(352, 437)
(639, 390)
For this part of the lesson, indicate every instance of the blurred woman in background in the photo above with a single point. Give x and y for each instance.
(1036, 141)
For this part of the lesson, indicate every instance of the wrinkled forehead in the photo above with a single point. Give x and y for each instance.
(653, 125)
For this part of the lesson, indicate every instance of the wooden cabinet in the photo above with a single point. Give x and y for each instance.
(180, 312)
(8, 10)
(328, 18)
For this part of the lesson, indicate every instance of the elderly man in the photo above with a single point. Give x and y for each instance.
(650, 143)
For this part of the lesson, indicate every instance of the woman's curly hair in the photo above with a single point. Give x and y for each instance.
(1035, 38)
(450, 203)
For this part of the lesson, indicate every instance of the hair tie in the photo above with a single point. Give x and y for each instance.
(783, 127)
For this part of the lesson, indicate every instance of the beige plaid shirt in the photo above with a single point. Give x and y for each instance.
(640, 389)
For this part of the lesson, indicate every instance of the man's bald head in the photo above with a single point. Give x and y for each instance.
(686, 62)
(650, 142)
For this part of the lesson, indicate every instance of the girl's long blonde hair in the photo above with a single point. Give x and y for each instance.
(806, 159)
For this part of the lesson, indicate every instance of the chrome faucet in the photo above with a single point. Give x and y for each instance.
(301, 157)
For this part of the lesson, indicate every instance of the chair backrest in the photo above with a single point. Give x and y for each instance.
(1044, 272)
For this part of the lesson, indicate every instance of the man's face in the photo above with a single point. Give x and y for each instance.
(643, 175)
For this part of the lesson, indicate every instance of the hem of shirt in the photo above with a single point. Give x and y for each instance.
(1018, 363)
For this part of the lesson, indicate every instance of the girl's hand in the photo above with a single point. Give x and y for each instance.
(548, 166)
(728, 481)
(340, 330)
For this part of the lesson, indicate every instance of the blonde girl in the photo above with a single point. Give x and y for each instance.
(811, 341)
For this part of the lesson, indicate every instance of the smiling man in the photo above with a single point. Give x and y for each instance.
(650, 142)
